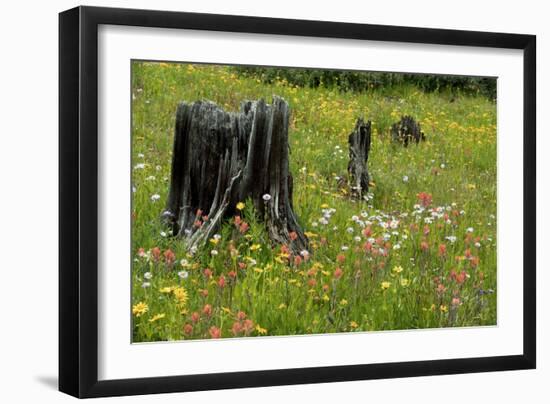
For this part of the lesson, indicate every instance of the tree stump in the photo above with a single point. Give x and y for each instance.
(407, 130)
(223, 158)
(359, 148)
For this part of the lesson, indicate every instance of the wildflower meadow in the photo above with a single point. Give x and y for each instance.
(418, 251)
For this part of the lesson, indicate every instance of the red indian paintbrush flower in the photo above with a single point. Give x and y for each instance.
(207, 310)
(338, 273)
(221, 281)
(155, 252)
(195, 317)
(425, 199)
(236, 328)
(169, 256)
(215, 332)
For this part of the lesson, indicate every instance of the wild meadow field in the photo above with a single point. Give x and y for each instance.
(418, 252)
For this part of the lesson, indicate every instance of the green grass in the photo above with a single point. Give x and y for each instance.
(392, 278)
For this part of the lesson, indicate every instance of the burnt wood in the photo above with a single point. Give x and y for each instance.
(222, 158)
(359, 147)
(407, 130)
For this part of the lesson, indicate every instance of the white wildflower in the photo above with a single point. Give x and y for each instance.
(452, 239)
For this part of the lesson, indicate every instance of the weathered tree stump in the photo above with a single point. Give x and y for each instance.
(359, 148)
(407, 130)
(222, 158)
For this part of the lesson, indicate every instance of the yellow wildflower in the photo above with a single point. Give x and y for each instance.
(397, 269)
(405, 282)
(261, 330)
(385, 285)
(181, 295)
(139, 309)
(282, 306)
(167, 289)
(326, 298)
(157, 317)
(343, 302)
(443, 308)
(240, 206)
(353, 324)
(255, 247)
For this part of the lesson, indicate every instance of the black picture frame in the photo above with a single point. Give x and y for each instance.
(78, 201)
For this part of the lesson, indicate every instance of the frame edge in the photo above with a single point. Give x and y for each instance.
(69, 114)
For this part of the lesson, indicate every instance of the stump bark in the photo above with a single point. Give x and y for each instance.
(407, 130)
(359, 147)
(221, 158)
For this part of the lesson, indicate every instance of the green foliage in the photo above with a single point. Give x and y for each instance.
(363, 81)
(384, 263)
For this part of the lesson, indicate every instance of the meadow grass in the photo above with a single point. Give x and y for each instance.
(419, 252)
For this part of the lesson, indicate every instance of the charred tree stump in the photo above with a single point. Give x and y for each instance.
(359, 148)
(222, 158)
(407, 130)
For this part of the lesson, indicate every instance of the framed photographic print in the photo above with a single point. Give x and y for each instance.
(251, 201)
